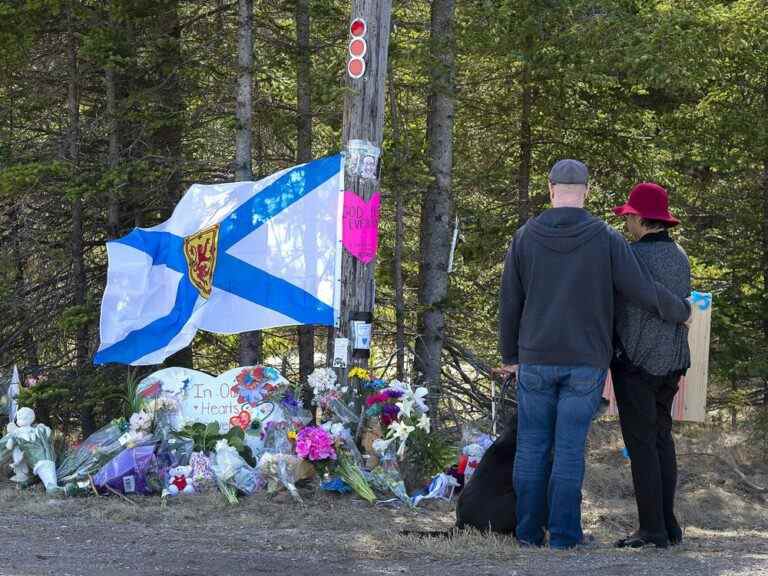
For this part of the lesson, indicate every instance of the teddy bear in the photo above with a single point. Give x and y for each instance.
(180, 480)
(139, 428)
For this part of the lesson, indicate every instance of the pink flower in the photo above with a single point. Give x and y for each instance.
(377, 398)
(315, 444)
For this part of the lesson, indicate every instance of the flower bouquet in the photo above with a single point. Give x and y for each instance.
(328, 394)
(386, 477)
(94, 452)
(203, 477)
(349, 462)
(232, 472)
(400, 410)
(132, 471)
(279, 469)
(315, 445)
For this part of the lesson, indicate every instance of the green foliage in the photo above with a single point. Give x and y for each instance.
(433, 452)
(75, 317)
(58, 397)
(205, 437)
(132, 401)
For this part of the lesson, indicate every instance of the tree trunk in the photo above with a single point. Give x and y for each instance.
(401, 157)
(765, 260)
(17, 217)
(113, 211)
(364, 120)
(437, 206)
(306, 334)
(76, 238)
(169, 134)
(250, 342)
(244, 104)
(524, 167)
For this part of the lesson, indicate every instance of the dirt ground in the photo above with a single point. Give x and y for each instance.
(726, 529)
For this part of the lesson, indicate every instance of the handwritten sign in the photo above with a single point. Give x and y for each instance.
(361, 226)
(233, 398)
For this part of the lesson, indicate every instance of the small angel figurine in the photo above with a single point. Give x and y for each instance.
(30, 447)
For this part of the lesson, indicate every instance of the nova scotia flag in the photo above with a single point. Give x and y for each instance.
(231, 258)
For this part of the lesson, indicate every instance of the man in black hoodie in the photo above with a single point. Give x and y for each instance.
(556, 323)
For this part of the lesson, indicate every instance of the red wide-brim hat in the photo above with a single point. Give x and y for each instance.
(648, 200)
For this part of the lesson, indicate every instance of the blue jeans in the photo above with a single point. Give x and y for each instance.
(556, 405)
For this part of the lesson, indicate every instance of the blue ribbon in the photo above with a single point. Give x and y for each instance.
(701, 299)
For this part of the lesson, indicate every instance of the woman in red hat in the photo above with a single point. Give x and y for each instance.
(650, 357)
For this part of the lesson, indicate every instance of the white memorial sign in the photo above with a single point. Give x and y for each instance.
(235, 398)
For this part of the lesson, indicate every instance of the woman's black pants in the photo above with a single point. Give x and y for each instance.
(645, 405)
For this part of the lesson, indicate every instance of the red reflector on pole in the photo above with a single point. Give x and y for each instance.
(358, 27)
(357, 47)
(356, 67)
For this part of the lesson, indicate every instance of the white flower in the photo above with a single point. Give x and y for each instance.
(380, 446)
(418, 398)
(221, 445)
(398, 385)
(424, 423)
(322, 380)
(400, 431)
(140, 422)
(410, 398)
(405, 405)
(335, 429)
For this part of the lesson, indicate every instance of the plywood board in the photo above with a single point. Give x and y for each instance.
(690, 403)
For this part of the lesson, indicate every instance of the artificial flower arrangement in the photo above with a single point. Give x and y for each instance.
(257, 384)
(399, 407)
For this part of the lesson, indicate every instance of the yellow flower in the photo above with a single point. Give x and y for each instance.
(292, 435)
(358, 372)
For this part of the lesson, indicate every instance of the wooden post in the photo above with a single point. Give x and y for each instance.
(363, 120)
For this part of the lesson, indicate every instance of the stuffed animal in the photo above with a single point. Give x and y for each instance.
(139, 427)
(180, 480)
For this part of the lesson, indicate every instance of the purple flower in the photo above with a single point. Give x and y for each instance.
(390, 410)
(393, 393)
(289, 400)
(389, 414)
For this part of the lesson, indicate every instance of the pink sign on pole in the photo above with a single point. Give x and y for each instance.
(361, 225)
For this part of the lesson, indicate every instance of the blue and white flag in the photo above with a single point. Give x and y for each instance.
(231, 258)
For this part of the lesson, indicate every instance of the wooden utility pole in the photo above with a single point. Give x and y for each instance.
(363, 122)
